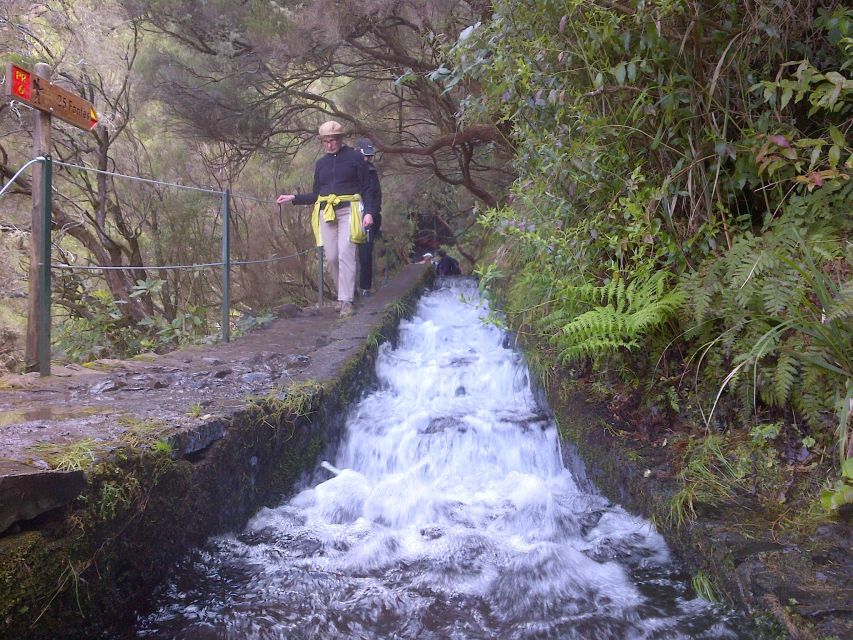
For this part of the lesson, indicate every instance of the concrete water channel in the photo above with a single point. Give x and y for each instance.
(445, 511)
(190, 501)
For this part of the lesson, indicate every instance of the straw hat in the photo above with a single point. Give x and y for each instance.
(331, 128)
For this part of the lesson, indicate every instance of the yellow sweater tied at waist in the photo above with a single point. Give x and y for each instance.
(327, 205)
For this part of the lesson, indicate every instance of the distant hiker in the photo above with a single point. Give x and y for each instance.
(447, 266)
(426, 259)
(342, 191)
(365, 249)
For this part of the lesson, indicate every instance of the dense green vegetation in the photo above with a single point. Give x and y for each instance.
(681, 221)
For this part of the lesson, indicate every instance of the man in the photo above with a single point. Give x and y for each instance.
(365, 249)
(447, 266)
(341, 191)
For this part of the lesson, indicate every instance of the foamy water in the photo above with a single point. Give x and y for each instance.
(447, 513)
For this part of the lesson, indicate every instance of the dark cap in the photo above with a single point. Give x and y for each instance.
(365, 146)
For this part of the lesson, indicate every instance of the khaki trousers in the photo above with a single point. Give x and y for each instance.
(339, 253)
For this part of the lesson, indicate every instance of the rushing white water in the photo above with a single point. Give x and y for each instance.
(447, 513)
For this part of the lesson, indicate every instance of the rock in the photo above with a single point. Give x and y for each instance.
(836, 533)
(197, 438)
(27, 494)
(211, 361)
(288, 310)
(107, 385)
(297, 362)
(253, 377)
(160, 383)
(221, 373)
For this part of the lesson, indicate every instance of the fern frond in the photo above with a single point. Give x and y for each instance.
(593, 347)
(777, 294)
(811, 402)
(784, 376)
(630, 310)
(842, 308)
(601, 321)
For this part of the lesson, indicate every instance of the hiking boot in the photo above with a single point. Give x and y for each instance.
(365, 293)
(338, 305)
(346, 309)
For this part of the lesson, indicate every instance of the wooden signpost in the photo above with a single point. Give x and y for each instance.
(34, 88)
(38, 92)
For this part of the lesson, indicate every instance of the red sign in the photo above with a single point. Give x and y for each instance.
(20, 82)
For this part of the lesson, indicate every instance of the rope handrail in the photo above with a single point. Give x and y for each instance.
(137, 178)
(158, 182)
(237, 196)
(74, 267)
(274, 258)
(85, 267)
(20, 171)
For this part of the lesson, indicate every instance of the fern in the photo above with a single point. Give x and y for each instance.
(785, 375)
(775, 294)
(842, 308)
(625, 313)
(811, 402)
(787, 323)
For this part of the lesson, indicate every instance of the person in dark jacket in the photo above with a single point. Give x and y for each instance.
(447, 266)
(365, 249)
(344, 205)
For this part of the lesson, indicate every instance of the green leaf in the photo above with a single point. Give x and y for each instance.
(836, 135)
(815, 156)
(834, 155)
(836, 497)
(786, 97)
(810, 142)
(619, 73)
(847, 469)
(835, 78)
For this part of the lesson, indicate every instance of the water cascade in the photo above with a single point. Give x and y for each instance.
(446, 513)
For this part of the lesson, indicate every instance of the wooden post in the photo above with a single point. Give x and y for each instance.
(41, 147)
